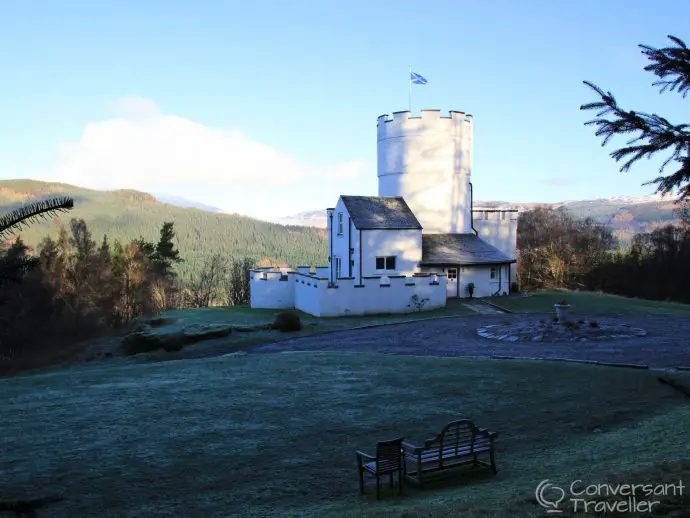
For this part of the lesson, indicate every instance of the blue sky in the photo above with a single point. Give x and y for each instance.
(270, 108)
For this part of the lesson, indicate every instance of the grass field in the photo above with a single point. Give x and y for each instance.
(275, 435)
(590, 303)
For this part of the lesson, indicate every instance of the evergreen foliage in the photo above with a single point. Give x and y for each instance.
(651, 134)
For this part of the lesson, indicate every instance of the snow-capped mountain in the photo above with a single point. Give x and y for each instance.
(621, 213)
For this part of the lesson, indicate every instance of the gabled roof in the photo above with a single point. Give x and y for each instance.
(380, 213)
(460, 249)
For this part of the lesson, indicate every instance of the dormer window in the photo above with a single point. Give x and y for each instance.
(340, 223)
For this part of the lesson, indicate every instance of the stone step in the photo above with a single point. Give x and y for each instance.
(483, 308)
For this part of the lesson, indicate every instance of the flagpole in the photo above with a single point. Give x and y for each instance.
(409, 93)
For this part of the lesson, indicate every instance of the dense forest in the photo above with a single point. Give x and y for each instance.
(125, 214)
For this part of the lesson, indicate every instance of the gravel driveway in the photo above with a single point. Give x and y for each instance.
(667, 343)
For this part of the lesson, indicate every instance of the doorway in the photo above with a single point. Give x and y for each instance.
(452, 285)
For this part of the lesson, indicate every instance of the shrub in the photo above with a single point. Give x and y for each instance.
(160, 321)
(416, 303)
(514, 287)
(173, 346)
(287, 321)
(141, 341)
(199, 334)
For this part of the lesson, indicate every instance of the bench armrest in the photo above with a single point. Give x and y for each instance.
(411, 448)
(361, 455)
(487, 433)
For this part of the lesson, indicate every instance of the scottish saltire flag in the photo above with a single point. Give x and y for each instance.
(417, 79)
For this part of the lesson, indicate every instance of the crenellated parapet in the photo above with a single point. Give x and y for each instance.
(408, 123)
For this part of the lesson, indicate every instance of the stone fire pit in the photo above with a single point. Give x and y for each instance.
(543, 331)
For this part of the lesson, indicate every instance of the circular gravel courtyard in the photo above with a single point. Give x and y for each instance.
(532, 330)
(663, 344)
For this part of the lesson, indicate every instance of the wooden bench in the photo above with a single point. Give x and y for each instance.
(460, 443)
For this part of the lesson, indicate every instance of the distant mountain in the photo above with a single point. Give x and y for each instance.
(185, 203)
(312, 218)
(624, 215)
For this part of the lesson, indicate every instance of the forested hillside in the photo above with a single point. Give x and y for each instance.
(125, 215)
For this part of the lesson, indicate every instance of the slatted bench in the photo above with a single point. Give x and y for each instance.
(460, 443)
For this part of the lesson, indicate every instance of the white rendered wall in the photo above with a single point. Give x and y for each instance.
(342, 243)
(267, 291)
(375, 295)
(405, 245)
(428, 161)
(499, 229)
(308, 294)
(371, 297)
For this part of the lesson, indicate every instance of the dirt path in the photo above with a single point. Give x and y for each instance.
(667, 343)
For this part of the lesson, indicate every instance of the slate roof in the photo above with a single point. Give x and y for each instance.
(380, 213)
(460, 249)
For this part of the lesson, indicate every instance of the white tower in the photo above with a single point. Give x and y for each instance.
(428, 161)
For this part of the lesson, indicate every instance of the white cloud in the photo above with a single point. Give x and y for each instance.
(142, 148)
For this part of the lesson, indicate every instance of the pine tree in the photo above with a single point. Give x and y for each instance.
(166, 253)
(651, 133)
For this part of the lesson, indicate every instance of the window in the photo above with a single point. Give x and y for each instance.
(340, 223)
(385, 263)
(452, 274)
(338, 266)
(493, 273)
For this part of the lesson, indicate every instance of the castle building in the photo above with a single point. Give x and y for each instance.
(420, 238)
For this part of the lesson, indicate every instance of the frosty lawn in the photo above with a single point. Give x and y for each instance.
(275, 435)
(590, 303)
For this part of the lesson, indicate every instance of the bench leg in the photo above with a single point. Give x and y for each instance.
(493, 461)
(361, 478)
(400, 481)
(378, 487)
(390, 479)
